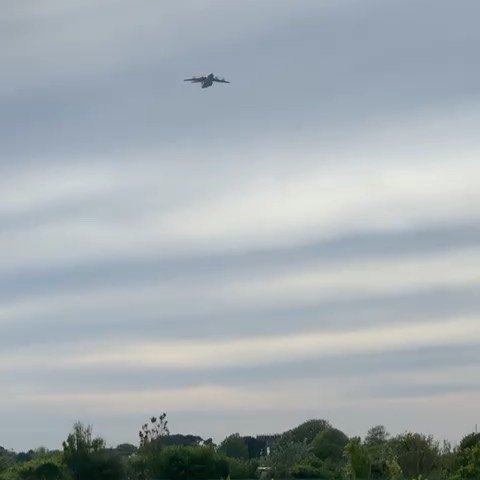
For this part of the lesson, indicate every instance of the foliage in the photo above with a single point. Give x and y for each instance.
(48, 471)
(256, 447)
(307, 431)
(359, 464)
(447, 461)
(234, 446)
(376, 435)
(154, 431)
(47, 466)
(416, 454)
(22, 457)
(87, 457)
(135, 468)
(312, 467)
(284, 455)
(312, 450)
(182, 463)
(44, 471)
(329, 444)
(152, 435)
(469, 463)
(469, 441)
(124, 449)
(7, 459)
(307, 470)
(242, 469)
(182, 440)
(393, 470)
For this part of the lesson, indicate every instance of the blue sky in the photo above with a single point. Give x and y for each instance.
(303, 242)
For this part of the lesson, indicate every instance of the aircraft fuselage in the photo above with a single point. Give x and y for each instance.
(208, 82)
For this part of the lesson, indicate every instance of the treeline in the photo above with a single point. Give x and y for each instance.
(312, 450)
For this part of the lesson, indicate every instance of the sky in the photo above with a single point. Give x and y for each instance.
(301, 243)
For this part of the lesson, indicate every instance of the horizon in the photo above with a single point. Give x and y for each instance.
(217, 441)
(300, 243)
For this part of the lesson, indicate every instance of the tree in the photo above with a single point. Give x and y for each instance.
(307, 431)
(184, 463)
(416, 454)
(469, 441)
(285, 454)
(256, 447)
(313, 467)
(377, 444)
(329, 444)
(42, 466)
(87, 458)
(183, 440)
(155, 430)
(306, 470)
(376, 435)
(447, 460)
(393, 469)
(234, 446)
(47, 471)
(80, 441)
(77, 449)
(359, 465)
(242, 469)
(469, 463)
(7, 459)
(125, 449)
(24, 456)
(151, 435)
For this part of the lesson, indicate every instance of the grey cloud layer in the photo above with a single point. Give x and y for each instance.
(338, 66)
(331, 188)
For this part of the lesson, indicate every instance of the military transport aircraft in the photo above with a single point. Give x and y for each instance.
(206, 81)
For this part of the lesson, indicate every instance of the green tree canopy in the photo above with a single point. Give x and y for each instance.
(234, 446)
(154, 430)
(359, 464)
(284, 455)
(417, 454)
(47, 466)
(87, 458)
(183, 440)
(198, 462)
(329, 444)
(256, 447)
(469, 464)
(376, 435)
(242, 469)
(7, 459)
(48, 471)
(470, 440)
(307, 431)
(125, 449)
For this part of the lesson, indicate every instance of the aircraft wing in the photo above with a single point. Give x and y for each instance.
(220, 80)
(195, 79)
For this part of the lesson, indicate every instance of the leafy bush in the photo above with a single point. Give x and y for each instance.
(359, 464)
(182, 463)
(416, 454)
(242, 469)
(46, 467)
(469, 441)
(469, 464)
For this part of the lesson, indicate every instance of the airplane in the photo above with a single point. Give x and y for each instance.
(206, 81)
